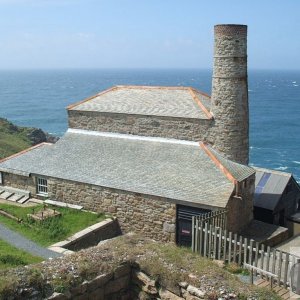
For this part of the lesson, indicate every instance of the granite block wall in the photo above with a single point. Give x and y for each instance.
(153, 216)
(20, 182)
(177, 128)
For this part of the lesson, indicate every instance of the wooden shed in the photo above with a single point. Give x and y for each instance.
(276, 197)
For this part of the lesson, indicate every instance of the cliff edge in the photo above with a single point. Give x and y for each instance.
(15, 138)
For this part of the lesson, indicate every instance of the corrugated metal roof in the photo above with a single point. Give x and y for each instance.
(149, 100)
(269, 186)
(174, 169)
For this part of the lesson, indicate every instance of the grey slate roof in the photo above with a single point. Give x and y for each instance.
(174, 169)
(271, 189)
(238, 171)
(146, 100)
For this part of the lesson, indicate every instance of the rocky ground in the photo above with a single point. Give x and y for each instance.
(169, 266)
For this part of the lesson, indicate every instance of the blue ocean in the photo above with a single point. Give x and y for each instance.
(39, 98)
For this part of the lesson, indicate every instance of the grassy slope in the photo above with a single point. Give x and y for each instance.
(11, 257)
(51, 232)
(165, 262)
(12, 138)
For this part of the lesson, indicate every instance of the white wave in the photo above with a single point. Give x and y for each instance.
(296, 162)
(295, 84)
(294, 81)
(281, 168)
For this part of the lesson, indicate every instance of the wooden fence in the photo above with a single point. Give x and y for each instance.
(215, 218)
(217, 243)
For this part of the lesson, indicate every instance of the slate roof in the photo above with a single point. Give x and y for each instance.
(179, 102)
(174, 169)
(238, 171)
(269, 186)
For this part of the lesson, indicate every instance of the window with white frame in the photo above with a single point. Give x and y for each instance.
(42, 186)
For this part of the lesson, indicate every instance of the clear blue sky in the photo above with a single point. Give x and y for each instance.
(143, 33)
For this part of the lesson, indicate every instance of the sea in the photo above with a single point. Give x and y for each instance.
(38, 98)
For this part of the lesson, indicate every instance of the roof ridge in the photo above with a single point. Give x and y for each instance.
(131, 137)
(71, 106)
(278, 172)
(163, 87)
(24, 151)
(217, 162)
(200, 92)
(200, 104)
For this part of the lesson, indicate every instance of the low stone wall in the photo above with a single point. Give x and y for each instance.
(88, 237)
(128, 283)
(152, 216)
(177, 128)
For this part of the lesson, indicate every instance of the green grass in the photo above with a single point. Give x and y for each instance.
(12, 138)
(12, 257)
(52, 230)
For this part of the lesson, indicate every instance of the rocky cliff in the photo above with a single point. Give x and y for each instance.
(15, 138)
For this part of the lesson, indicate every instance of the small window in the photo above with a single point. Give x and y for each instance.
(42, 186)
(1, 178)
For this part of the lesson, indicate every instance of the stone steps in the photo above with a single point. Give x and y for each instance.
(6, 195)
(23, 199)
(15, 197)
(14, 194)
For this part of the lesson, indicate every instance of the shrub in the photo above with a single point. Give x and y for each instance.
(8, 286)
(12, 260)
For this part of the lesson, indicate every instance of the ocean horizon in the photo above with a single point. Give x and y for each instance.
(38, 98)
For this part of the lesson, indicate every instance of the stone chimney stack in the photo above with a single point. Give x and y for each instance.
(230, 93)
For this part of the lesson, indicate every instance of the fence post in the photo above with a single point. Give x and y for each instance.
(240, 250)
(256, 256)
(210, 236)
(286, 266)
(205, 240)
(245, 249)
(225, 245)
(215, 243)
(201, 239)
(262, 256)
(196, 243)
(220, 244)
(234, 247)
(229, 247)
(274, 261)
(279, 266)
(250, 251)
(193, 233)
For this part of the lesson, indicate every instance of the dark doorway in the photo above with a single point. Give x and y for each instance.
(184, 223)
(282, 218)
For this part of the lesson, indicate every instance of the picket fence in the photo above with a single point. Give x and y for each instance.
(217, 243)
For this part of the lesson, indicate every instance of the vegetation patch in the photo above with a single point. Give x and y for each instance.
(11, 257)
(51, 230)
(166, 263)
(14, 138)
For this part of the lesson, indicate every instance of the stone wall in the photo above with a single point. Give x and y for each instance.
(128, 283)
(177, 128)
(230, 93)
(19, 182)
(154, 217)
(88, 237)
(240, 206)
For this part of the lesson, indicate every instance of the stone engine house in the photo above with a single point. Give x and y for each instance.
(152, 156)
